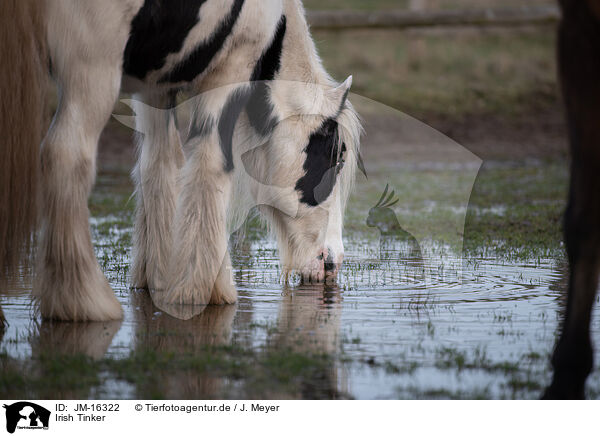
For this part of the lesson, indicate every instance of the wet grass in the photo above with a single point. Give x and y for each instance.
(282, 373)
(514, 211)
(532, 200)
(46, 376)
(237, 370)
(451, 358)
(112, 194)
(525, 376)
(152, 374)
(522, 378)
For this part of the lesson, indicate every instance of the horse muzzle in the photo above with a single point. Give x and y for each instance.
(323, 268)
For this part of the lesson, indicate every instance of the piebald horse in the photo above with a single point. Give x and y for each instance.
(259, 80)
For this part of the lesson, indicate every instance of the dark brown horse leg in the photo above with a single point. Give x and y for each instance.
(572, 360)
(579, 65)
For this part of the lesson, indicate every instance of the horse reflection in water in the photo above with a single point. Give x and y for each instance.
(90, 339)
(185, 330)
(51, 342)
(308, 323)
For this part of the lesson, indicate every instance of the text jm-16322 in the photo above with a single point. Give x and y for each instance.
(96, 407)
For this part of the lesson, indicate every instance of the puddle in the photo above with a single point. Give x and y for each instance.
(392, 328)
(405, 320)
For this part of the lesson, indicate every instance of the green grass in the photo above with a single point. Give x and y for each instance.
(236, 371)
(534, 198)
(451, 358)
(280, 373)
(513, 211)
(48, 376)
(112, 194)
(449, 73)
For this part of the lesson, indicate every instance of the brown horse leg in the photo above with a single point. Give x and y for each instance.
(579, 65)
(3, 323)
(573, 357)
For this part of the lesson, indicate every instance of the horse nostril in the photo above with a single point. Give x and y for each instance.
(329, 263)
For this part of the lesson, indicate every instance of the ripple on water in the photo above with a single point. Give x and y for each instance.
(398, 327)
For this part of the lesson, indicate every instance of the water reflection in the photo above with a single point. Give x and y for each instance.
(63, 360)
(560, 286)
(308, 324)
(359, 340)
(210, 325)
(90, 339)
(176, 333)
(308, 321)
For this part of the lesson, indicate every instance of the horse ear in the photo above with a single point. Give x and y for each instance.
(340, 94)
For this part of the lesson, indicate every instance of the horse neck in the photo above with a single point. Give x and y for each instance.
(300, 61)
(301, 84)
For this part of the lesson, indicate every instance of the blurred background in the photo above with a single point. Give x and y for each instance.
(492, 88)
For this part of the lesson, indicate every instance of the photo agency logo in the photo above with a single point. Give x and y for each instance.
(26, 416)
(392, 210)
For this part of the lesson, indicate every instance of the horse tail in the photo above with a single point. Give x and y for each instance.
(23, 85)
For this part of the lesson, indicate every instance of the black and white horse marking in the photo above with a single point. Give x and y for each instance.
(158, 29)
(197, 62)
(260, 109)
(324, 161)
(264, 102)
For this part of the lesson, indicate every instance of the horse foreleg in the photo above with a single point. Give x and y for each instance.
(86, 57)
(69, 283)
(155, 177)
(573, 357)
(199, 271)
(3, 323)
(579, 65)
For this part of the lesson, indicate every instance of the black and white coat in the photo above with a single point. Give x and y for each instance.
(269, 127)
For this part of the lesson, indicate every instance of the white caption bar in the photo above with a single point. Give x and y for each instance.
(263, 418)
